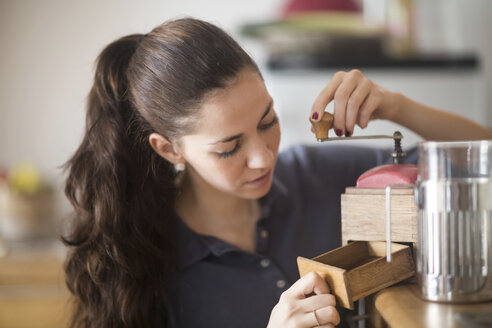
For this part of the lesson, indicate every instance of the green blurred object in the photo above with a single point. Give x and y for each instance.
(319, 34)
(319, 22)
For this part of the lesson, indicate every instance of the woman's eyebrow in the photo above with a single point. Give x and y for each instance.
(228, 139)
(237, 136)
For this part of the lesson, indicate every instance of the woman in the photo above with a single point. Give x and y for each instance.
(185, 215)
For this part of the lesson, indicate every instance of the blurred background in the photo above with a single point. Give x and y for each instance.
(438, 52)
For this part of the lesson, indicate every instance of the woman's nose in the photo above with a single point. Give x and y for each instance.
(260, 155)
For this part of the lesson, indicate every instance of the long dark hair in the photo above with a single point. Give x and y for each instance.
(122, 252)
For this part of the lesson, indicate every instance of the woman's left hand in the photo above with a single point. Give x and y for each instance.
(357, 101)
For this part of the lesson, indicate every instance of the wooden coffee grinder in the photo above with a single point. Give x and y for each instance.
(379, 211)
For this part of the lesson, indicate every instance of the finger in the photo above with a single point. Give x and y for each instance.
(342, 95)
(325, 96)
(328, 315)
(326, 326)
(319, 318)
(317, 301)
(368, 107)
(308, 319)
(308, 284)
(354, 103)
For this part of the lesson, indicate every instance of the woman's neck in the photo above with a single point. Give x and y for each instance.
(209, 211)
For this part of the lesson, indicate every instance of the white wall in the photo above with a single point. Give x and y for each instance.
(459, 26)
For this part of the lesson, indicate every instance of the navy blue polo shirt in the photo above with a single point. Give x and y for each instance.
(221, 285)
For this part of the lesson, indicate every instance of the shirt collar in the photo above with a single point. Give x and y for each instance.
(193, 247)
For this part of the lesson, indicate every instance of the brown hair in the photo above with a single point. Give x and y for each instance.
(122, 252)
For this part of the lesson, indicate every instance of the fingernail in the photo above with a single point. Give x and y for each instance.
(348, 134)
(338, 132)
(315, 116)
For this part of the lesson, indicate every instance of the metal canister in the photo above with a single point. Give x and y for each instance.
(454, 197)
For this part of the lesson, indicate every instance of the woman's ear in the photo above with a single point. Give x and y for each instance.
(165, 148)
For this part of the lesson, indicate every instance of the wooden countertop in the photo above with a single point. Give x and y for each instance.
(32, 288)
(401, 307)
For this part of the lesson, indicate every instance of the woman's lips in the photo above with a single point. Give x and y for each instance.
(261, 180)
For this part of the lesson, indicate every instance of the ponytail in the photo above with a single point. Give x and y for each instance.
(121, 246)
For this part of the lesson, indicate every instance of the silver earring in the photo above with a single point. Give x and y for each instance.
(179, 167)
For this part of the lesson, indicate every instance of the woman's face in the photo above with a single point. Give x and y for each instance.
(235, 142)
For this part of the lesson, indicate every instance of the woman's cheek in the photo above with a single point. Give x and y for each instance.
(229, 170)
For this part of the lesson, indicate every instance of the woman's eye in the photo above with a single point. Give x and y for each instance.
(231, 152)
(236, 148)
(268, 125)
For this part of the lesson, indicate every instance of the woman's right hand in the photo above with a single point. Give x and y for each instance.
(307, 303)
(357, 100)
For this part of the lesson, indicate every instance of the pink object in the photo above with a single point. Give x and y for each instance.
(303, 6)
(384, 175)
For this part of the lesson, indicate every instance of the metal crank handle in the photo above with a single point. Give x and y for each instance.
(359, 137)
(322, 127)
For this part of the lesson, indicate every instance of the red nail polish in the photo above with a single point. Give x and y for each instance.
(338, 132)
(315, 116)
(348, 134)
